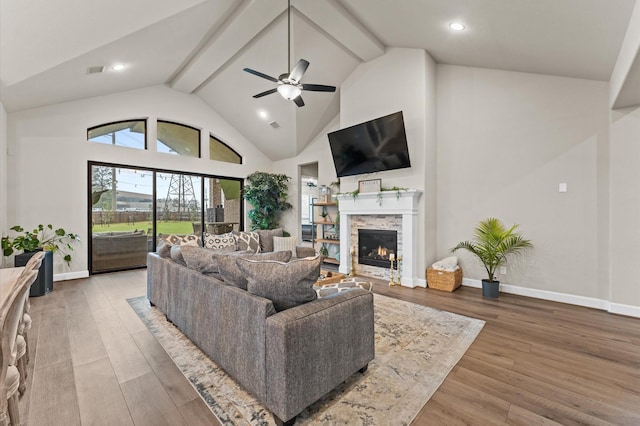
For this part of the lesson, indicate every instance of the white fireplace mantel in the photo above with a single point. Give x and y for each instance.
(404, 203)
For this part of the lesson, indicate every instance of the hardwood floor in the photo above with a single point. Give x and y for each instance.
(93, 362)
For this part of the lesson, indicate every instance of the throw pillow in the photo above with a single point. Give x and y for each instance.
(215, 241)
(285, 243)
(201, 259)
(229, 271)
(185, 240)
(266, 238)
(287, 285)
(164, 249)
(247, 241)
(176, 255)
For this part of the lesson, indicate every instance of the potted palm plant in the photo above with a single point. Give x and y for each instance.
(492, 243)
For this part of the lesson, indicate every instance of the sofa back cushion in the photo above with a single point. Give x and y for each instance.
(219, 241)
(247, 241)
(287, 285)
(229, 271)
(266, 238)
(201, 259)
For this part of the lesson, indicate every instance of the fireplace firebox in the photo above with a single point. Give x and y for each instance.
(375, 246)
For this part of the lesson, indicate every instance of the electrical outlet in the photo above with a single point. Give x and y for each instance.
(503, 270)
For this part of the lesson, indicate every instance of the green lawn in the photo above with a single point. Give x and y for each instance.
(171, 227)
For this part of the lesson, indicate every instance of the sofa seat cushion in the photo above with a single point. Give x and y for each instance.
(229, 271)
(287, 285)
(201, 259)
(247, 241)
(219, 241)
(266, 238)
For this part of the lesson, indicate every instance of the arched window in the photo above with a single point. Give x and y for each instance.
(131, 134)
(178, 139)
(220, 151)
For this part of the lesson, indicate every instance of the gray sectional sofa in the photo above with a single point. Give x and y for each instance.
(287, 359)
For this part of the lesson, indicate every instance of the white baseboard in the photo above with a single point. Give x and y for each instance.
(589, 302)
(413, 283)
(70, 276)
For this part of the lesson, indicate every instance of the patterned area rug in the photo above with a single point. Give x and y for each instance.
(416, 347)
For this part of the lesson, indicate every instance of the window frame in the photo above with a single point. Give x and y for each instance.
(154, 171)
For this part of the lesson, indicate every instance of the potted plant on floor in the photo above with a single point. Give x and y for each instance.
(492, 243)
(267, 193)
(40, 238)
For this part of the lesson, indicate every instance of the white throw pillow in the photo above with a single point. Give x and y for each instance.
(285, 243)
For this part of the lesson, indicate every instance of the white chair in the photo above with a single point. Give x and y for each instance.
(11, 312)
(25, 325)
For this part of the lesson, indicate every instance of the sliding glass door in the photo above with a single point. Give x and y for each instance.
(121, 217)
(130, 208)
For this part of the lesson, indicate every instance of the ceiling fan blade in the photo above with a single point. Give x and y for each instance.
(318, 88)
(259, 74)
(265, 93)
(299, 101)
(298, 70)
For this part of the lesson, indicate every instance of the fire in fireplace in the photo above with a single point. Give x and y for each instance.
(375, 246)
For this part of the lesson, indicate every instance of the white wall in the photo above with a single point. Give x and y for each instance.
(400, 80)
(625, 206)
(622, 81)
(505, 142)
(48, 154)
(3, 174)
(317, 151)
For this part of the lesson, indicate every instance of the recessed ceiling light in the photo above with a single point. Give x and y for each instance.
(118, 67)
(262, 114)
(456, 26)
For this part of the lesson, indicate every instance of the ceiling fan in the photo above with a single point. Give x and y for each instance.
(289, 85)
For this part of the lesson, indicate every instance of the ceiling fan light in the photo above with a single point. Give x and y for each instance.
(289, 91)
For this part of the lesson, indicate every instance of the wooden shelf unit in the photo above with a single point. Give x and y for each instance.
(321, 227)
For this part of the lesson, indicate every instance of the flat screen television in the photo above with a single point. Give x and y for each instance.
(372, 146)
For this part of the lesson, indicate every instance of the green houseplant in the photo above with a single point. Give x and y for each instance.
(267, 193)
(492, 243)
(42, 237)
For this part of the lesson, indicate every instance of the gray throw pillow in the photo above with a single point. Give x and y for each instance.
(247, 241)
(201, 259)
(229, 271)
(266, 238)
(164, 249)
(176, 254)
(287, 285)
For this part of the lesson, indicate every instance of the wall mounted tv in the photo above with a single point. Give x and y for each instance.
(372, 146)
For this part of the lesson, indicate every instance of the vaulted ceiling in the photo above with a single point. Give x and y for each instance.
(201, 47)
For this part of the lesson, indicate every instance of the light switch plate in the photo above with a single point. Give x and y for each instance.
(562, 187)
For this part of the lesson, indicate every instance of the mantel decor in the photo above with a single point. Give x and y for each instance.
(371, 185)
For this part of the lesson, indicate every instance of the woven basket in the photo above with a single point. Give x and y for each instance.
(442, 280)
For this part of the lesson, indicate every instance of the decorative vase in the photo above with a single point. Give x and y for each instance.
(490, 289)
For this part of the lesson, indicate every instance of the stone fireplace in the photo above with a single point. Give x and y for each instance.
(388, 211)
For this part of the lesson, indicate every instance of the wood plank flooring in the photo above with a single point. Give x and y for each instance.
(93, 362)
